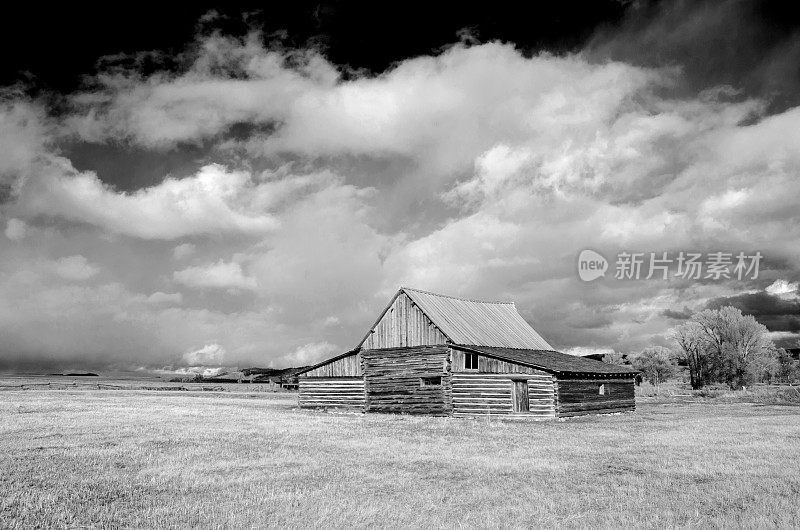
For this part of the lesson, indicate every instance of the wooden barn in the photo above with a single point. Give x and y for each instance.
(441, 355)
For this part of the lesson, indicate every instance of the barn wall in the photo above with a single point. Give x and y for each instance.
(403, 324)
(485, 394)
(579, 397)
(489, 365)
(393, 380)
(332, 392)
(349, 366)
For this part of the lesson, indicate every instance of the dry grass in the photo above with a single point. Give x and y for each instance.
(232, 460)
(677, 392)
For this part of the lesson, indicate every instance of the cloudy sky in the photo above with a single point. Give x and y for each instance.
(234, 187)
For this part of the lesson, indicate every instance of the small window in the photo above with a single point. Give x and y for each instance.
(470, 361)
(603, 390)
(431, 381)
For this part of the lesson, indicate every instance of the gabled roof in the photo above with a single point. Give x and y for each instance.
(483, 323)
(552, 361)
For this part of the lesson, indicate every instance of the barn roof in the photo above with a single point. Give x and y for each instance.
(476, 322)
(552, 361)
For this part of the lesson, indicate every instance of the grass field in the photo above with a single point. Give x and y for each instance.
(138, 458)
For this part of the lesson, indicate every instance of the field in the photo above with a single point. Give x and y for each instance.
(240, 459)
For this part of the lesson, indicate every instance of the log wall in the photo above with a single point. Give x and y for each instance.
(579, 397)
(394, 380)
(349, 366)
(485, 394)
(332, 392)
(403, 324)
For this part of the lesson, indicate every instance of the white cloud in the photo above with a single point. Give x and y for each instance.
(15, 229)
(784, 290)
(782, 287)
(583, 351)
(159, 298)
(219, 275)
(214, 201)
(210, 354)
(183, 250)
(478, 172)
(308, 354)
(24, 136)
(74, 268)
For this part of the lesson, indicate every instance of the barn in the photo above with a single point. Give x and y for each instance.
(441, 355)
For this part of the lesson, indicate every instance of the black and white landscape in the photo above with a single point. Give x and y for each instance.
(220, 201)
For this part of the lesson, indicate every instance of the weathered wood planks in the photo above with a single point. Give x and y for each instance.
(338, 392)
(489, 365)
(349, 366)
(394, 380)
(403, 324)
(431, 379)
(578, 397)
(484, 394)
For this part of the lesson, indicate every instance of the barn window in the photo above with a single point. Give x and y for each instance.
(470, 361)
(603, 390)
(431, 381)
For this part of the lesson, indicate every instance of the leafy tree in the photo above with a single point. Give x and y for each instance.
(789, 370)
(765, 366)
(693, 345)
(657, 364)
(723, 345)
(614, 358)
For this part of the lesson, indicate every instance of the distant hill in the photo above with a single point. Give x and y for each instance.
(272, 371)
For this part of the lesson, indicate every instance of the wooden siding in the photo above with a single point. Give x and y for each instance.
(349, 366)
(483, 394)
(579, 397)
(403, 324)
(393, 380)
(489, 365)
(332, 392)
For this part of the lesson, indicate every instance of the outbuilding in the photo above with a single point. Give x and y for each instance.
(441, 355)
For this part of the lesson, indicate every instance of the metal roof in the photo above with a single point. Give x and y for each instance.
(553, 361)
(476, 322)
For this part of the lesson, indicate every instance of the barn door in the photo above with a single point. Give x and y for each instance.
(520, 396)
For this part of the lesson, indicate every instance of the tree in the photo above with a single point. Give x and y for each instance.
(692, 342)
(657, 364)
(789, 370)
(721, 345)
(765, 366)
(613, 358)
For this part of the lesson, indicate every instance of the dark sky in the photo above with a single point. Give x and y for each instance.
(56, 46)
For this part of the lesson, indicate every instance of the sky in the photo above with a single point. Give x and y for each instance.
(238, 187)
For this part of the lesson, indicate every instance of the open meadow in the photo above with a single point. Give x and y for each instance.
(239, 459)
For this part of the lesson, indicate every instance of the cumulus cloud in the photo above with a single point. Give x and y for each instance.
(583, 351)
(210, 354)
(308, 354)
(478, 171)
(24, 135)
(159, 298)
(214, 201)
(74, 268)
(183, 250)
(15, 229)
(219, 275)
(782, 287)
